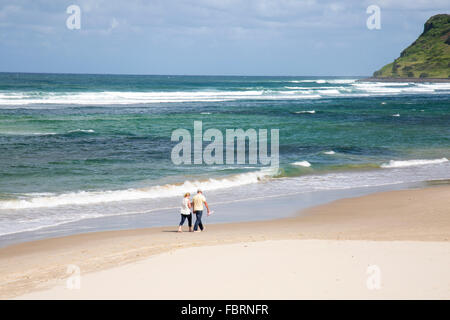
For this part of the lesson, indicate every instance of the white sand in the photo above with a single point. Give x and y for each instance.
(280, 269)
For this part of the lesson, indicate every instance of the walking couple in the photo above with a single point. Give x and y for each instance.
(197, 205)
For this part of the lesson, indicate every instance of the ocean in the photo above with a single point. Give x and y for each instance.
(77, 147)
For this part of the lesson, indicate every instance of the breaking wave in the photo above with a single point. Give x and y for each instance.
(162, 191)
(310, 89)
(410, 163)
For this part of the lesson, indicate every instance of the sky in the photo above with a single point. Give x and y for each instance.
(209, 37)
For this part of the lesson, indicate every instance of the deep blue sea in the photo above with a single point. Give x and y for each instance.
(75, 147)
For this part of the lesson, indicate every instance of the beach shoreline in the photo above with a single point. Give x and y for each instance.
(393, 216)
(265, 207)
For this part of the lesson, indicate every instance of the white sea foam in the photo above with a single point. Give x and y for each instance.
(329, 92)
(306, 111)
(389, 88)
(300, 88)
(118, 98)
(21, 133)
(329, 152)
(169, 190)
(330, 81)
(18, 133)
(341, 81)
(396, 115)
(410, 163)
(302, 164)
(82, 130)
(435, 86)
(319, 88)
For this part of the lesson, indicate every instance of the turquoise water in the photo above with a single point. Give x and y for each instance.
(79, 146)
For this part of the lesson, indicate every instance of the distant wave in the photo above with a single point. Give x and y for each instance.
(321, 81)
(310, 89)
(329, 152)
(306, 111)
(410, 163)
(82, 130)
(117, 98)
(329, 92)
(302, 164)
(392, 88)
(163, 191)
(20, 133)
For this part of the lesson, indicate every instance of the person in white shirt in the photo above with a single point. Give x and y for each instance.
(186, 212)
(197, 202)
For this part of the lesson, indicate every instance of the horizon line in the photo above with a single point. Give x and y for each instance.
(178, 75)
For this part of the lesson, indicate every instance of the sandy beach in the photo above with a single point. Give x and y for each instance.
(316, 131)
(401, 236)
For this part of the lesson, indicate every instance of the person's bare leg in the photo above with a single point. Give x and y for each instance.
(179, 229)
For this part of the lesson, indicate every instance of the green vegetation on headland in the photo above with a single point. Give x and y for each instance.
(426, 58)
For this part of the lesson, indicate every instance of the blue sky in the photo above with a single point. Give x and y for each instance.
(229, 37)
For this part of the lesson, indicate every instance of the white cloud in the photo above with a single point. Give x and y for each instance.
(225, 16)
(408, 5)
